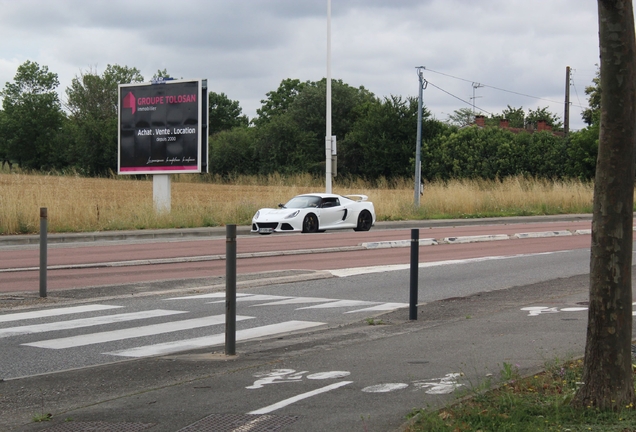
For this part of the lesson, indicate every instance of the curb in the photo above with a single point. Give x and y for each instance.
(184, 233)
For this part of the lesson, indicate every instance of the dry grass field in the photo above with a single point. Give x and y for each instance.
(78, 204)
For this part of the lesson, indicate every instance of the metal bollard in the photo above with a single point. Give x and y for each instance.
(43, 249)
(415, 261)
(230, 290)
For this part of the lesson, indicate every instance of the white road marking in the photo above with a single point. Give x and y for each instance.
(385, 388)
(328, 375)
(297, 300)
(339, 304)
(276, 376)
(381, 307)
(129, 333)
(386, 268)
(84, 322)
(438, 386)
(55, 312)
(206, 296)
(280, 376)
(538, 310)
(255, 297)
(218, 339)
(291, 400)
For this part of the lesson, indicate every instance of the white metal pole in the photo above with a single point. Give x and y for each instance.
(418, 142)
(328, 173)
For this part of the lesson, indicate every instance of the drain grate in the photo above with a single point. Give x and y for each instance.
(99, 427)
(240, 423)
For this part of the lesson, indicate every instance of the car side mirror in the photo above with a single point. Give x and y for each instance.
(281, 205)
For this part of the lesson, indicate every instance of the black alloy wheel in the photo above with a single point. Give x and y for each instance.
(310, 223)
(365, 220)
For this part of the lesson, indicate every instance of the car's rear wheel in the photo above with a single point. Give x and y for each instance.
(365, 220)
(310, 223)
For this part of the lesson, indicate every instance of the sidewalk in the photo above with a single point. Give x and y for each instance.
(393, 367)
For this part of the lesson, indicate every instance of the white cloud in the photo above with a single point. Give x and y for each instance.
(245, 48)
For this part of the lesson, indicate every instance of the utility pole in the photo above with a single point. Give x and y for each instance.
(328, 173)
(418, 144)
(566, 114)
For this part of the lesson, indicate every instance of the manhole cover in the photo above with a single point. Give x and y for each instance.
(240, 422)
(99, 427)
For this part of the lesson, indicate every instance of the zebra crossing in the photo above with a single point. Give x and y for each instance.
(108, 332)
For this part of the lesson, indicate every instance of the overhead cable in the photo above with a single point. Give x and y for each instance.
(457, 97)
(496, 88)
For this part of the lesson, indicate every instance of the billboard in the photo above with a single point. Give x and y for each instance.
(163, 127)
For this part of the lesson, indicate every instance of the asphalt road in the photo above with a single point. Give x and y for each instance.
(357, 364)
(42, 344)
(82, 264)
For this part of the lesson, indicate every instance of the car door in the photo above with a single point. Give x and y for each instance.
(332, 213)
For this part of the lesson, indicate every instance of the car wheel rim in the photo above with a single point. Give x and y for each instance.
(364, 221)
(311, 224)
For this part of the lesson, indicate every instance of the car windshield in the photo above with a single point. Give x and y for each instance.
(304, 201)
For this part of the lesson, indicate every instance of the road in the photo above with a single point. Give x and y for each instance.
(329, 350)
(79, 265)
(96, 332)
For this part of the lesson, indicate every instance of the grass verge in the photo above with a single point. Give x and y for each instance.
(537, 403)
(79, 204)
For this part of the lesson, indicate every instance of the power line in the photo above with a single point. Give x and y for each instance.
(497, 88)
(457, 97)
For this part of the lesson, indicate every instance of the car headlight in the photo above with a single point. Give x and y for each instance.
(256, 215)
(292, 215)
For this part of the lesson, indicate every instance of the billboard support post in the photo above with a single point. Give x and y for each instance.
(161, 186)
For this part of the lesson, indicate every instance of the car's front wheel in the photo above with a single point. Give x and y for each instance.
(365, 220)
(310, 223)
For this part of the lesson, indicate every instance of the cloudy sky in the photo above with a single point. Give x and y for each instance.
(515, 50)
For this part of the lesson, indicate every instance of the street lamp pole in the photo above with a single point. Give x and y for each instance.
(328, 170)
(418, 144)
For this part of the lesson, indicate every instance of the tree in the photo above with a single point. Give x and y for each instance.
(461, 117)
(92, 102)
(592, 114)
(32, 117)
(293, 120)
(224, 114)
(161, 74)
(516, 117)
(278, 101)
(607, 373)
(382, 140)
(4, 151)
(538, 114)
(232, 152)
(282, 146)
(583, 151)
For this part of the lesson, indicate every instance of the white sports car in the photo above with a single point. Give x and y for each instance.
(316, 212)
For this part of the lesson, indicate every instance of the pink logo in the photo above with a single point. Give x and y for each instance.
(129, 102)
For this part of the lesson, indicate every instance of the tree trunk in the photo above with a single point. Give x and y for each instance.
(607, 376)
